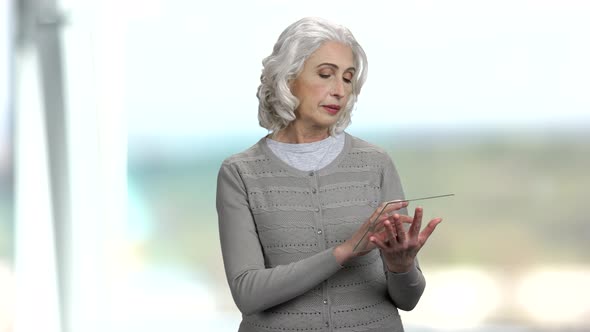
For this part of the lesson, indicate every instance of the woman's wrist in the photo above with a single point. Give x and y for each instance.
(342, 253)
(397, 268)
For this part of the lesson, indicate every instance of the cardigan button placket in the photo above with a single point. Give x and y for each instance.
(314, 191)
(321, 241)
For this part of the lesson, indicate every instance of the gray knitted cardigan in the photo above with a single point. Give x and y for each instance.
(278, 226)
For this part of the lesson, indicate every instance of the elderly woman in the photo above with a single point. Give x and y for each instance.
(293, 207)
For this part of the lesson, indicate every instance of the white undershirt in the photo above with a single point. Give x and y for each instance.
(308, 156)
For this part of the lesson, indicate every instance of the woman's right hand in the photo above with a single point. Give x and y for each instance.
(346, 250)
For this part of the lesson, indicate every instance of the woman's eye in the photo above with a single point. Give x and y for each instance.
(347, 77)
(325, 75)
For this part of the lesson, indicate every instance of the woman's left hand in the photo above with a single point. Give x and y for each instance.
(400, 247)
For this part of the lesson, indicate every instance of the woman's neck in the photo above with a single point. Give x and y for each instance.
(296, 135)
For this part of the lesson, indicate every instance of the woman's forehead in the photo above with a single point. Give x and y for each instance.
(332, 53)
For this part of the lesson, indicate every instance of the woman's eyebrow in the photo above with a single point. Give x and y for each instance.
(335, 66)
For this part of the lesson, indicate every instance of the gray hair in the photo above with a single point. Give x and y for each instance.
(276, 108)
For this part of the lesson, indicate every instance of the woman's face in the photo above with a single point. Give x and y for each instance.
(324, 85)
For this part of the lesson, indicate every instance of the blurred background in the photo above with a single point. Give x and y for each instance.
(116, 115)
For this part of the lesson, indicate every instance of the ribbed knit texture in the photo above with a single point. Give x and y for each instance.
(278, 226)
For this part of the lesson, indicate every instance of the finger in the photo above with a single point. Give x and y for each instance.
(399, 230)
(383, 236)
(391, 231)
(403, 218)
(373, 219)
(394, 206)
(379, 225)
(387, 208)
(425, 234)
(378, 228)
(382, 213)
(417, 224)
(372, 222)
(378, 242)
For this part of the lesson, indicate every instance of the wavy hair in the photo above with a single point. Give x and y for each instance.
(276, 108)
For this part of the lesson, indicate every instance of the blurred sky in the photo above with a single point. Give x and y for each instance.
(4, 82)
(4, 44)
(193, 67)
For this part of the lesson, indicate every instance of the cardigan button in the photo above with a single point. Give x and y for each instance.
(311, 173)
(320, 231)
(325, 301)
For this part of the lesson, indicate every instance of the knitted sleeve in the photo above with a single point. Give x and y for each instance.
(405, 289)
(253, 286)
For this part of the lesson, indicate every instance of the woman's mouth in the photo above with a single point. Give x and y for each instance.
(332, 109)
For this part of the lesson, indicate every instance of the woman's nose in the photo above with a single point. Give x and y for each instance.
(338, 89)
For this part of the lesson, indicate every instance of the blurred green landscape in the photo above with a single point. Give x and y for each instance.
(520, 197)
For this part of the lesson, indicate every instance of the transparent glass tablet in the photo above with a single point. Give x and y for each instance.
(361, 245)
